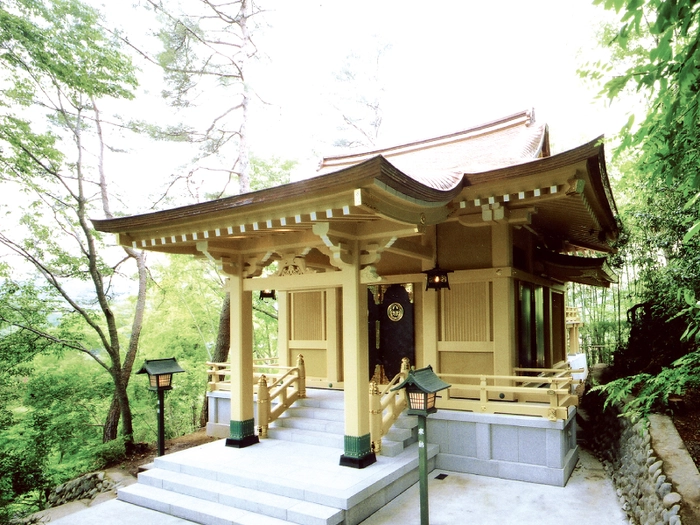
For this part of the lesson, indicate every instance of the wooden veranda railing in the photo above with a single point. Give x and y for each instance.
(545, 392)
(385, 406)
(220, 373)
(288, 384)
(277, 397)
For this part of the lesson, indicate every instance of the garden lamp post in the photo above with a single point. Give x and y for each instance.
(421, 386)
(160, 375)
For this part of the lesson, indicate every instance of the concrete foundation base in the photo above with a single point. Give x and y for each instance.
(504, 446)
(219, 414)
(519, 448)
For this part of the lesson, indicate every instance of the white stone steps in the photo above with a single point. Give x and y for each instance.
(330, 399)
(253, 480)
(191, 508)
(273, 483)
(322, 413)
(320, 420)
(399, 434)
(307, 423)
(310, 437)
(258, 501)
(406, 421)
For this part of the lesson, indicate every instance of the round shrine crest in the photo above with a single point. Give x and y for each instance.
(395, 311)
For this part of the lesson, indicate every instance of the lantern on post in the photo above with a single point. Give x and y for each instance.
(160, 377)
(436, 278)
(421, 386)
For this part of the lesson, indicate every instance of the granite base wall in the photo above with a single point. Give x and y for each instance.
(219, 414)
(520, 448)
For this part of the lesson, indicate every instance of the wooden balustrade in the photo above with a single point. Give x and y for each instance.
(220, 373)
(288, 385)
(277, 397)
(547, 394)
(219, 376)
(386, 406)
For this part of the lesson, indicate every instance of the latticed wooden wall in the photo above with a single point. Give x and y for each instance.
(466, 329)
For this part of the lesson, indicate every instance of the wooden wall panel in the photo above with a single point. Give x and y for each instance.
(466, 363)
(466, 313)
(315, 362)
(307, 316)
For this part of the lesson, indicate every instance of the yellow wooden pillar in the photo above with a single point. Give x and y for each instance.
(242, 427)
(283, 328)
(358, 444)
(504, 358)
(333, 320)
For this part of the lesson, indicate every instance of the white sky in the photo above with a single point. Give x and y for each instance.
(451, 64)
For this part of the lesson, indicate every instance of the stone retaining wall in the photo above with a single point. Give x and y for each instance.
(85, 487)
(646, 491)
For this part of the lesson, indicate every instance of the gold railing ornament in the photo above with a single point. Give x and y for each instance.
(386, 406)
(263, 406)
(286, 385)
(375, 416)
(302, 376)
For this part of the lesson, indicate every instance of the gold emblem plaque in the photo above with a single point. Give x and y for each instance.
(394, 311)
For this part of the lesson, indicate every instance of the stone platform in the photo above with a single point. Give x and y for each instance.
(272, 483)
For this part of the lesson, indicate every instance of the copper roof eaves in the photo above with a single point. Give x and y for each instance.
(349, 177)
(534, 166)
(403, 184)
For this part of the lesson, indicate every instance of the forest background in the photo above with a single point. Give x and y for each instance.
(111, 110)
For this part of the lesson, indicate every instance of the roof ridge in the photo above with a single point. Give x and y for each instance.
(523, 117)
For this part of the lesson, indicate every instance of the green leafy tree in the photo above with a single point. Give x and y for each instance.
(659, 42)
(655, 54)
(25, 452)
(58, 64)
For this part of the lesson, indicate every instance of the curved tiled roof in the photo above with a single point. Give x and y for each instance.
(440, 162)
(503, 164)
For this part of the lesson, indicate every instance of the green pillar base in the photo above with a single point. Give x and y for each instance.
(362, 462)
(358, 452)
(242, 443)
(242, 434)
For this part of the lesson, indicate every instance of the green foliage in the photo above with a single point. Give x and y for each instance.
(62, 40)
(641, 394)
(662, 275)
(666, 72)
(178, 58)
(22, 468)
(654, 53)
(59, 61)
(109, 453)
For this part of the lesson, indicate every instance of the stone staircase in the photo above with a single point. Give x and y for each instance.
(294, 476)
(207, 501)
(319, 420)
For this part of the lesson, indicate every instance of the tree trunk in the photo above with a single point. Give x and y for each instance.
(221, 350)
(119, 410)
(109, 431)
